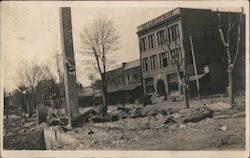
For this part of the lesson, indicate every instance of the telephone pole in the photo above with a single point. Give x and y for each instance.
(195, 66)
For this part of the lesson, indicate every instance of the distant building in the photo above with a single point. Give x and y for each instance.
(86, 96)
(159, 71)
(124, 83)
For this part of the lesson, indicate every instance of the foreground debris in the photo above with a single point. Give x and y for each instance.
(151, 128)
(155, 127)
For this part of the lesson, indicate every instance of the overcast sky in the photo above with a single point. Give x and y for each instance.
(32, 32)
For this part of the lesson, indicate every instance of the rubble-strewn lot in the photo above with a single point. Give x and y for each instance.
(210, 124)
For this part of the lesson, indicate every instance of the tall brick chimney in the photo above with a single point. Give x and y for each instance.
(70, 85)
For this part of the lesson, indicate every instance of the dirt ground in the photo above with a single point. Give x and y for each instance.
(224, 131)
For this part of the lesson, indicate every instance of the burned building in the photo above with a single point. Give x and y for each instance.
(124, 83)
(175, 28)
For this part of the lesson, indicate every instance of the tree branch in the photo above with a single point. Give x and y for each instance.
(238, 38)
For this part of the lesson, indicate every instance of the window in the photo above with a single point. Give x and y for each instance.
(204, 68)
(143, 43)
(153, 62)
(163, 60)
(175, 55)
(150, 89)
(129, 77)
(172, 83)
(135, 76)
(161, 37)
(149, 81)
(145, 64)
(173, 32)
(151, 41)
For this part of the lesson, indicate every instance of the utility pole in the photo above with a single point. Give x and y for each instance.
(195, 67)
(142, 82)
(70, 85)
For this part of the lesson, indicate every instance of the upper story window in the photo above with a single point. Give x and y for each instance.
(130, 78)
(143, 44)
(111, 79)
(145, 64)
(161, 37)
(135, 76)
(175, 55)
(153, 62)
(206, 68)
(163, 60)
(151, 41)
(173, 32)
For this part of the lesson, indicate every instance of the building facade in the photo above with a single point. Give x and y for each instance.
(167, 37)
(124, 83)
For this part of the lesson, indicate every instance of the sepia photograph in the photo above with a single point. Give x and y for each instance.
(125, 79)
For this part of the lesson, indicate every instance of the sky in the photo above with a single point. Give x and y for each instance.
(32, 32)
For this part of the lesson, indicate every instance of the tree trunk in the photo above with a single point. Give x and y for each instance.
(230, 86)
(185, 96)
(104, 95)
(29, 104)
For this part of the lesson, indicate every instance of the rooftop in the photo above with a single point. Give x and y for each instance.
(166, 16)
(159, 19)
(127, 65)
(132, 64)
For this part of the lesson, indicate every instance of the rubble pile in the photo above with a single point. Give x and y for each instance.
(116, 134)
(92, 115)
(136, 124)
(22, 133)
(56, 117)
(122, 127)
(19, 125)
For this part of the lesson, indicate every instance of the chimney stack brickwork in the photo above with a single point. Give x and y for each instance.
(71, 91)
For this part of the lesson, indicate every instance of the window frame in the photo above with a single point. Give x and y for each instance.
(163, 56)
(153, 62)
(151, 41)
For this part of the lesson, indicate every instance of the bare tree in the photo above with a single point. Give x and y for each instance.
(100, 39)
(226, 38)
(58, 64)
(46, 89)
(177, 61)
(30, 75)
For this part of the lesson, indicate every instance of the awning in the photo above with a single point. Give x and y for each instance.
(193, 78)
(130, 87)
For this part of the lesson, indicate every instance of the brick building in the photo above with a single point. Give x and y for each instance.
(174, 28)
(124, 83)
